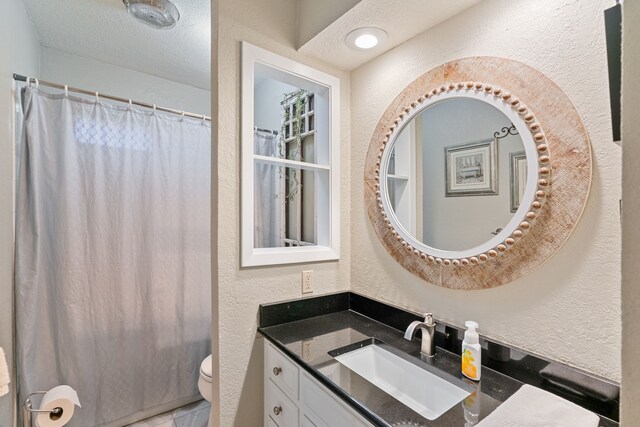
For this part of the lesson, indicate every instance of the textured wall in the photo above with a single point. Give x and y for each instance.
(19, 53)
(569, 309)
(270, 25)
(314, 16)
(631, 193)
(85, 73)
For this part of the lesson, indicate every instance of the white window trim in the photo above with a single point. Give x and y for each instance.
(251, 256)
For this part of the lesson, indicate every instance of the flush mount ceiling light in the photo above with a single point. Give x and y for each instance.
(160, 14)
(365, 38)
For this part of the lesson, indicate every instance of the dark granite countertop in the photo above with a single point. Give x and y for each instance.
(308, 341)
(333, 331)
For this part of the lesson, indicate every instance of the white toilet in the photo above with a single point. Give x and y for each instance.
(204, 382)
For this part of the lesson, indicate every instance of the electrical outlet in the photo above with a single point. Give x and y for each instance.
(307, 350)
(307, 281)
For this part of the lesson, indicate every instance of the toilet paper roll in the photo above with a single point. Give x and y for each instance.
(63, 397)
(5, 379)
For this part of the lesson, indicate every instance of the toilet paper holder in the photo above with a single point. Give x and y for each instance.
(27, 410)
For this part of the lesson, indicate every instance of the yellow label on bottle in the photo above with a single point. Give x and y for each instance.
(468, 366)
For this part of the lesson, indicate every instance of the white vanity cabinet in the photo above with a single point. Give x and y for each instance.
(293, 398)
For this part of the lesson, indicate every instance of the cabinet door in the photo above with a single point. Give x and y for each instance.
(318, 402)
(309, 421)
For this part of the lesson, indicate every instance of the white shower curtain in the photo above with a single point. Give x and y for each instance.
(269, 191)
(112, 256)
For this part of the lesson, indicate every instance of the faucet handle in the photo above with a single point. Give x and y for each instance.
(428, 319)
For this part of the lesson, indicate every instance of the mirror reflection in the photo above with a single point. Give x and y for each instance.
(456, 174)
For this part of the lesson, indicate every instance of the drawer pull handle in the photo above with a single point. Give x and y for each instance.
(277, 410)
(276, 372)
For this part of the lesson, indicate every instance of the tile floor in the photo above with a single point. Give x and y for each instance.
(193, 415)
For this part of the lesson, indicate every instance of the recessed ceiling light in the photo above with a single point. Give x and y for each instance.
(366, 41)
(365, 38)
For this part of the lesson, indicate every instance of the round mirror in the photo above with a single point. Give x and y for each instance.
(476, 173)
(459, 174)
(456, 174)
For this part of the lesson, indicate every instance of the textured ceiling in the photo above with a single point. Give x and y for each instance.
(401, 20)
(102, 30)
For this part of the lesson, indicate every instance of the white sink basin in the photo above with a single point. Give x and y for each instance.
(426, 393)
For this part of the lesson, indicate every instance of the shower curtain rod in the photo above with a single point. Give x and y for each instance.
(275, 132)
(66, 88)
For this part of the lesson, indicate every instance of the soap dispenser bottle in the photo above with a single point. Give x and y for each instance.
(471, 352)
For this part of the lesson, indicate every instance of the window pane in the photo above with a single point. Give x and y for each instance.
(288, 113)
(286, 203)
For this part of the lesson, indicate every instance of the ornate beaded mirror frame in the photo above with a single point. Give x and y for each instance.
(558, 179)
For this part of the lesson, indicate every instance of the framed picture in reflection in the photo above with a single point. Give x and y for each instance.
(471, 169)
(517, 177)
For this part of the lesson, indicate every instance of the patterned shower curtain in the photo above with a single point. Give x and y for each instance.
(269, 186)
(112, 270)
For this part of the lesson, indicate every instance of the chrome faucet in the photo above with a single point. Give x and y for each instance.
(428, 327)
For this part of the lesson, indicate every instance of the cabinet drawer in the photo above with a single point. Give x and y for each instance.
(279, 407)
(281, 370)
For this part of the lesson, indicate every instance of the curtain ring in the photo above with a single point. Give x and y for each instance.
(66, 91)
(37, 83)
(98, 97)
(203, 118)
(130, 105)
(154, 108)
(182, 114)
